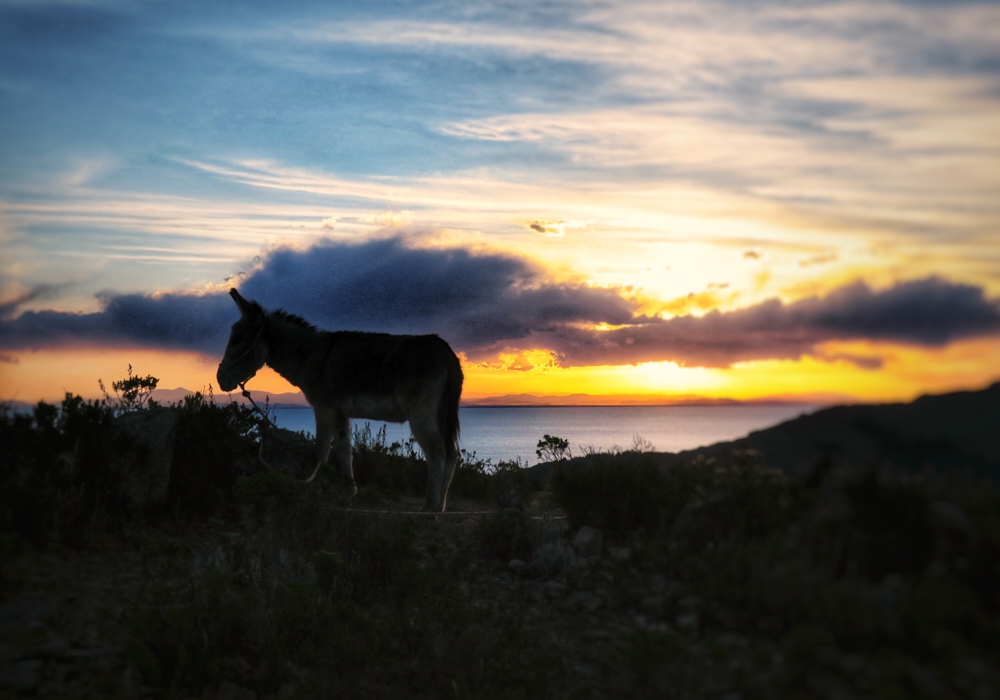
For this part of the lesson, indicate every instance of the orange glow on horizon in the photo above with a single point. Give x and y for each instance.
(833, 376)
(46, 375)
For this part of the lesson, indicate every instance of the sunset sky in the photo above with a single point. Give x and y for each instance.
(719, 199)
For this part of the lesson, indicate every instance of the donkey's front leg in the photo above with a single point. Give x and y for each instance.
(333, 430)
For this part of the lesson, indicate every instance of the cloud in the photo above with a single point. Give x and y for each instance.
(17, 297)
(752, 255)
(487, 304)
(475, 301)
(389, 218)
(328, 223)
(554, 229)
(818, 259)
(547, 228)
(930, 312)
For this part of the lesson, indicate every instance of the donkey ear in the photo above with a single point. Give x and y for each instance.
(246, 307)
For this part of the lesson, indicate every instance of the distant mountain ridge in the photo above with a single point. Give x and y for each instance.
(290, 399)
(597, 400)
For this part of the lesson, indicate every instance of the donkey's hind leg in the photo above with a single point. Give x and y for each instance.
(429, 438)
(342, 449)
(450, 462)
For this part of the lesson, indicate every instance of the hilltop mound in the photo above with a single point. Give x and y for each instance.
(952, 432)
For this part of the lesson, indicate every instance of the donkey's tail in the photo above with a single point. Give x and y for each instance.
(448, 407)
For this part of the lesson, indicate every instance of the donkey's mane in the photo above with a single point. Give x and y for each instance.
(283, 315)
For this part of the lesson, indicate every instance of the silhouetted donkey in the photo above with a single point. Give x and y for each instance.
(346, 374)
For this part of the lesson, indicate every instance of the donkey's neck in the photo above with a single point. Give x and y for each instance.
(293, 350)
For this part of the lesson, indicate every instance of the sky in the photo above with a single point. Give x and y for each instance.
(767, 200)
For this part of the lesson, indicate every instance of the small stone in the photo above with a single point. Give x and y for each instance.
(652, 605)
(23, 675)
(588, 542)
(522, 568)
(621, 556)
(687, 622)
(54, 645)
(230, 691)
(734, 640)
(129, 684)
(554, 589)
(585, 600)
(689, 603)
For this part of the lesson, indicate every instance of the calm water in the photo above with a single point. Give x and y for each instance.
(511, 432)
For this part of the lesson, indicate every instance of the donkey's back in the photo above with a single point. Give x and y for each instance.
(380, 367)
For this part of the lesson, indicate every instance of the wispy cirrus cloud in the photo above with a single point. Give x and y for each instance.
(699, 140)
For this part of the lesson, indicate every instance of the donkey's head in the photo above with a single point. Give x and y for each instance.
(246, 352)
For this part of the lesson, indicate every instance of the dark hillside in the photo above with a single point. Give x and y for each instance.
(949, 432)
(958, 431)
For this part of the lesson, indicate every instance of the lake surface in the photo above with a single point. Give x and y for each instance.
(507, 433)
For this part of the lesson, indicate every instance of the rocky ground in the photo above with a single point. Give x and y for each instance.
(598, 617)
(64, 631)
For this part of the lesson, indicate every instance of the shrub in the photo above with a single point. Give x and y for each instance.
(214, 444)
(618, 493)
(57, 472)
(131, 394)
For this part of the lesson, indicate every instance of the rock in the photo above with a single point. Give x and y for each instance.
(688, 622)
(621, 556)
(733, 640)
(553, 558)
(588, 542)
(230, 691)
(653, 605)
(660, 628)
(554, 589)
(589, 601)
(23, 676)
(54, 645)
(689, 604)
(146, 477)
(523, 568)
(582, 600)
(948, 516)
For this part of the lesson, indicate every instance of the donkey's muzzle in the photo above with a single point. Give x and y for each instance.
(227, 382)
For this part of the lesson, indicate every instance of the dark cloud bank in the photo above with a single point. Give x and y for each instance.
(485, 303)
